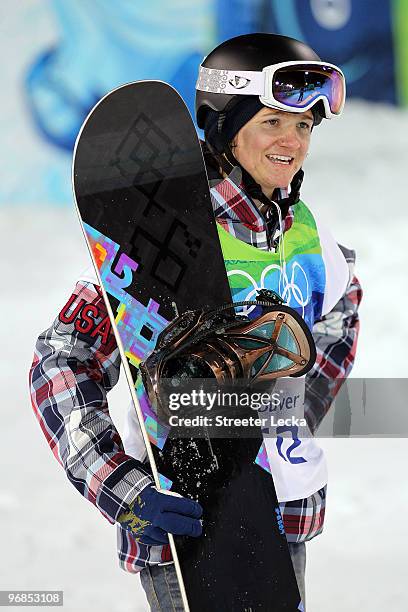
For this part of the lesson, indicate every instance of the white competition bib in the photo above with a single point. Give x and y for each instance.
(297, 463)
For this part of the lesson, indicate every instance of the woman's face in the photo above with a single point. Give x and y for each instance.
(272, 146)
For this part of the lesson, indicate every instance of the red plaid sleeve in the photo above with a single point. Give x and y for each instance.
(76, 362)
(304, 518)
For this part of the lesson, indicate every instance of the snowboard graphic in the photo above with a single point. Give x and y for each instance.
(143, 200)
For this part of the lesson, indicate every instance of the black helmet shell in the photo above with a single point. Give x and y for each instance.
(248, 52)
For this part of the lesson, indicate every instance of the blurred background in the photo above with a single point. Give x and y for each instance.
(58, 58)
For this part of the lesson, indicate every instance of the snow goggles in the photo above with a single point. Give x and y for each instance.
(288, 86)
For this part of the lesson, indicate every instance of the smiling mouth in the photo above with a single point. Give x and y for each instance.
(283, 160)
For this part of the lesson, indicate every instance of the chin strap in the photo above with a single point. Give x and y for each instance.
(294, 196)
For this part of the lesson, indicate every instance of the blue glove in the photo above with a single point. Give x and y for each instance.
(152, 515)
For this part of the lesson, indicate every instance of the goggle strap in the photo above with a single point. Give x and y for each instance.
(231, 82)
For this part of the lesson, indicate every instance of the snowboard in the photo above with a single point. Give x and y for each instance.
(143, 200)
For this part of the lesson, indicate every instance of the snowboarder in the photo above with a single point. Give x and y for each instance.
(256, 140)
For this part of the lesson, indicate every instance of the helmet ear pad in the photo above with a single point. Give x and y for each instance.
(213, 130)
(221, 127)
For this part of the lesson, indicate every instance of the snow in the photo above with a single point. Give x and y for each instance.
(51, 537)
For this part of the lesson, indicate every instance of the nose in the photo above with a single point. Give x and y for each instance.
(289, 139)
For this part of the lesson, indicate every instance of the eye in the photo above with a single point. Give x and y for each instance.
(271, 121)
(304, 125)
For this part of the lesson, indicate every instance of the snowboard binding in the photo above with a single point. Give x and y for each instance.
(222, 345)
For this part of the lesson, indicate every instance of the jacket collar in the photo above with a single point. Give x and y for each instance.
(238, 214)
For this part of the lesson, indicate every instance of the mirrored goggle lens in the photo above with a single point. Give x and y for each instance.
(298, 86)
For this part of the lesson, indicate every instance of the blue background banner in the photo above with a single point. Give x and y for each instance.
(355, 35)
(64, 55)
(102, 45)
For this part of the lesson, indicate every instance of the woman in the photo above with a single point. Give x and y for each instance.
(259, 97)
(256, 141)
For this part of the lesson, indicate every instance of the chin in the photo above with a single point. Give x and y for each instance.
(284, 183)
(280, 185)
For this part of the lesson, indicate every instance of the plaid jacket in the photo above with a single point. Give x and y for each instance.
(76, 362)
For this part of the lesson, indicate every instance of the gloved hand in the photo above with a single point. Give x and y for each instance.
(152, 515)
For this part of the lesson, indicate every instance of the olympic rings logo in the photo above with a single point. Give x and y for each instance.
(289, 290)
